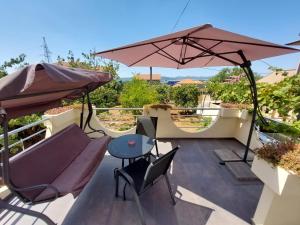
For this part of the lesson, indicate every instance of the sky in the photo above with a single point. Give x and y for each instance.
(84, 25)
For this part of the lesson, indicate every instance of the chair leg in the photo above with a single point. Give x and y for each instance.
(117, 182)
(29, 212)
(124, 192)
(137, 201)
(156, 147)
(170, 189)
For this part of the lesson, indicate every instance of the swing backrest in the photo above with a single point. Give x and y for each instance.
(45, 161)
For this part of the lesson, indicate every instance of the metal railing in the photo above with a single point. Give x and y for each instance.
(23, 128)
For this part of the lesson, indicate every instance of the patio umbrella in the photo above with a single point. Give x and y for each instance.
(202, 46)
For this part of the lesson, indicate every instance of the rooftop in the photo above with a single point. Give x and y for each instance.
(189, 81)
(277, 76)
(147, 77)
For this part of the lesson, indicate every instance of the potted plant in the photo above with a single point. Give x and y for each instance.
(234, 110)
(277, 165)
(148, 109)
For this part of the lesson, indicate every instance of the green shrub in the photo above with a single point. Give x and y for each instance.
(137, 93)
(186, 96)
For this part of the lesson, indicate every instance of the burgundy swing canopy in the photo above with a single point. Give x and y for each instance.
(39, 87)
(202, 46)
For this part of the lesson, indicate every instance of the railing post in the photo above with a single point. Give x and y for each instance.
(5, 151)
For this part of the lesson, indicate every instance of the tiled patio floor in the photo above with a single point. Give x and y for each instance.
(206, 193)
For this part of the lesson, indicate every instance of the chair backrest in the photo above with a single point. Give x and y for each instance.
(159, 167)
(43, 162)
(146, 126)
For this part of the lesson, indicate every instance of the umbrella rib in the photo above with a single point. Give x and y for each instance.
(202, 48)
(169, 55)
(174, 60)
(246, 43)
(138, 45)
(202, 54)
(153, 53)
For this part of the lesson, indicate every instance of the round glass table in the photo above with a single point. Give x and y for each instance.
(130, 146)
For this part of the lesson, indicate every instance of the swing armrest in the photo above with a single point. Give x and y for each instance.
(96, 131)
(36, 187)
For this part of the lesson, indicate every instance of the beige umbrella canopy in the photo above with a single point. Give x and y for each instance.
(38, 87)
(202, 46)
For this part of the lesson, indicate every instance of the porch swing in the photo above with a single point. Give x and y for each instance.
(53, 167)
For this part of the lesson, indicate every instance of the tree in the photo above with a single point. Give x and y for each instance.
(137, 93)
(18, 62)
(226, 73)
(282, 97)
(163, 93)
(106, 95)
(186, 95)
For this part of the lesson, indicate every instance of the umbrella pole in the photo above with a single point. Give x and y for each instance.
(246, 66)
(255, 106)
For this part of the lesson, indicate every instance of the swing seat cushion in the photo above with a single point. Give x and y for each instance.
(67, 160)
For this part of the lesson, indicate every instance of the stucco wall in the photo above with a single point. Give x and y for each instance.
(230, 123)
(279, 201)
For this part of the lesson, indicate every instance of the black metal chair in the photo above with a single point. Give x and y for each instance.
(148, 126)
(142, 174)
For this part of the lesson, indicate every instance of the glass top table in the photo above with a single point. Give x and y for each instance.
(130, 146)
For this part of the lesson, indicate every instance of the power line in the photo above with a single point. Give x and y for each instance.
(180, 15)
(268, 64)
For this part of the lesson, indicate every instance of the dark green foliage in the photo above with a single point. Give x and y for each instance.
(137, 93)
(163, 93)
(284, 97)
(104, 96)
(18, 62)
(238, 92)
(230, 92)
(226, 73)
(279, 127)
(19, 122)
(186, 96)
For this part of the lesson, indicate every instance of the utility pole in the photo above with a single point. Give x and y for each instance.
(47, 53)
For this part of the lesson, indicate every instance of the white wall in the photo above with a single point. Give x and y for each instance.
(230, 123)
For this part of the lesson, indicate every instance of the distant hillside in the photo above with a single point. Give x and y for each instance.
(166, 79)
